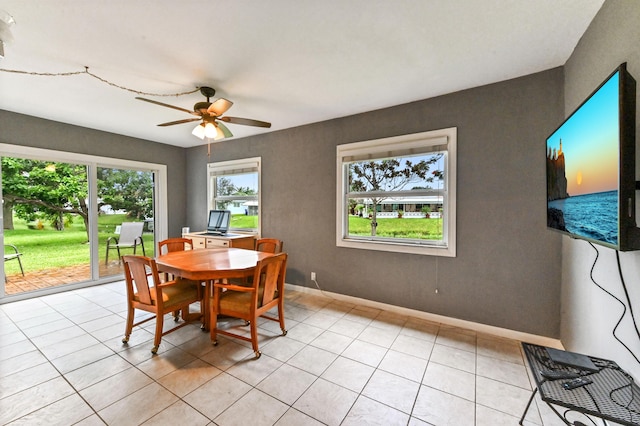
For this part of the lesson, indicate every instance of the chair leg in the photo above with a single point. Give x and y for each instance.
(20, 263)
(158, 335)
(213, 317)
(254, 338)
(281, 316)
(129, 326)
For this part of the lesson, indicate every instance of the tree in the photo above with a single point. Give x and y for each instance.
(225, 188)
(129, 190)
(389, 175)
(55, 191)
(39, 189)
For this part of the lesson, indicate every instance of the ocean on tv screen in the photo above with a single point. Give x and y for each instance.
(592, 216)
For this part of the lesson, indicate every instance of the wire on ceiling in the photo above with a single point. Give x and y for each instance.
(86, 71)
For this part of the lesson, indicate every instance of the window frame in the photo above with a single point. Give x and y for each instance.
(393, 146)
(234, 167)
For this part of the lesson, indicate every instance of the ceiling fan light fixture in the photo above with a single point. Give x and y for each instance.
(199, 131)
(210, 130)
(210, 116)
(219, 134)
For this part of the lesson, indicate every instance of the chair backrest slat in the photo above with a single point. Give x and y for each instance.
(269, 245)
(174, 244)
(268, 276)
(138, 271)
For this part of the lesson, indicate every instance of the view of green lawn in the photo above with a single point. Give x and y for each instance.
(47, 248)
(422, 229)
(242, 221)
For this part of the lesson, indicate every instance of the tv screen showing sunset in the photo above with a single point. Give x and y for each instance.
(583, 168)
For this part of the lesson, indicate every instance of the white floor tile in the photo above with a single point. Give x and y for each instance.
(454, 357)
(218, 394)
(313, 360)
(348, 373)
(392, 390)
(254, 408)
(294, 417)
(404, 365)
(441, 408)
(178, 413)
(139, 406)
(287, 383)
(451, 380)
(326, 402)
(504, 397)
(364, 352)
(366, 411)
(339, 364)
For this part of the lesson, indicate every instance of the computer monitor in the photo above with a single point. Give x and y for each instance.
(218, 222)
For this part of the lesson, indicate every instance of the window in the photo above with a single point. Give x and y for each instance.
(235, 186)
(398, 194)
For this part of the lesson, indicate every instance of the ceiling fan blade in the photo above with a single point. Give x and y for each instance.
(245, 121)
(171, 123)
(219, 107)
(225, 130)
(168, 106)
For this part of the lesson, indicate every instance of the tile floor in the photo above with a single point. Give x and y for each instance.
(62, 362)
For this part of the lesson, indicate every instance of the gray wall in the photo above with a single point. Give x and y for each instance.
(18, 129)
(588, 314)
(507, 271)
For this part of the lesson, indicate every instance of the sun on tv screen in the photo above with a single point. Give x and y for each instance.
(591, 167)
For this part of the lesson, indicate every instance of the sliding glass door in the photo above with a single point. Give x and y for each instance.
(125, 196)
(66, 223)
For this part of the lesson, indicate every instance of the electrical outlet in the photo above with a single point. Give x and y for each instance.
(313, 276)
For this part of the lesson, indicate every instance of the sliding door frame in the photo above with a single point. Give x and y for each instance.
(92, 162)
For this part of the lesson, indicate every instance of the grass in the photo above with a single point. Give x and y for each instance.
(47, 248)
(421, 229)
(242, 221)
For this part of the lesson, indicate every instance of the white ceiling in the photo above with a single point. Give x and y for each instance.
(289, 62)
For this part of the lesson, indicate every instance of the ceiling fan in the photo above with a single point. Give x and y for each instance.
(211, 116)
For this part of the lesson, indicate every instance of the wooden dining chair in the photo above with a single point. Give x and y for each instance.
(269, 245)
(249, 303)
(174, 244)
(170, 245)
(146, 292)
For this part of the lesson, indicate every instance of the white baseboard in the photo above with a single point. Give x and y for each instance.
(454, 322)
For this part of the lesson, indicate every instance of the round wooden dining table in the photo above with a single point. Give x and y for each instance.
(209, 265)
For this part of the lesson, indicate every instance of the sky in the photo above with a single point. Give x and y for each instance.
(590, 142)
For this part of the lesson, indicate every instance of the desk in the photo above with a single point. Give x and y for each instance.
(203, 240)
(612, 396)
(209, 265)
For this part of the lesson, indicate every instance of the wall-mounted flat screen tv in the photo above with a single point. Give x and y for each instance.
(591, 177)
